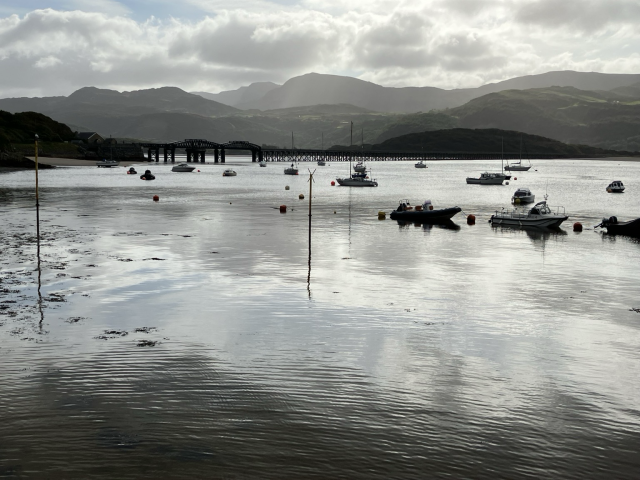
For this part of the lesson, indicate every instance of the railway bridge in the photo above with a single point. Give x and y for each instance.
(196, 150)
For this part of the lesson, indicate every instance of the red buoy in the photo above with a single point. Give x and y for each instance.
(471, 219)
(156, 198)
(515, 178)
(577, 227)
(333, 184)
(283, 209)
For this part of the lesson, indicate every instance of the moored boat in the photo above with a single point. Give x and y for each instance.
(357, 180)
(262, 163)
(147, 175)
(424, 213)
(321, 163)
(108, 163)
(229, 173)
(523, 195)
(487, 178)
(615, 187)
(540, 215)
(292, 170)
(420, 164)
(360, 167)
(131, 171)
(630, 228)
(183, 167)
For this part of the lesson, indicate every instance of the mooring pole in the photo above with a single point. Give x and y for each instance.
(37, 199)
(310, 197)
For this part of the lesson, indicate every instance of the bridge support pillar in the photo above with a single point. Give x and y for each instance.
(215, 155)
(260, 155)
(166, 155)
(202, 156)
(188, 156)
(222, 155)
(157, 153)
(149, 156)
(173, 155)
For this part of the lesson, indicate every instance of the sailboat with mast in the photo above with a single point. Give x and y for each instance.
(518, 166)
(358, 179)
(293, 169)
(487, 178)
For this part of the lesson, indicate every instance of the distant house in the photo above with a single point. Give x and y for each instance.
(89, 137)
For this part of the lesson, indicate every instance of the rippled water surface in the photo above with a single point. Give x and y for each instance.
(194, 337)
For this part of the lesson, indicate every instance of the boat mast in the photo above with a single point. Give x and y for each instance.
(502, 153)
(350, 145)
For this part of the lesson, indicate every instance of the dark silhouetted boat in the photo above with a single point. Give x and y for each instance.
(630, 228)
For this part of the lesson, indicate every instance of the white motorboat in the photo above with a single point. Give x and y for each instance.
(262, 163)
(487, 178)
(357, 180)
(420, 164)
(523, 195)
(615, 187)
(292, 170)
(540, 215)
(108, 163)
(321, 163)
(360, 167)
(183, 167)
(229, 173)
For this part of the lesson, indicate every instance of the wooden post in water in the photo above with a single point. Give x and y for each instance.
(310, 197)
(37, 199)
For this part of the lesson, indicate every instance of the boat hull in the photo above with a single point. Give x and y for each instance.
(630, 228)
(356, 182)
(183, 169)
(511, 168)
(290, 171)
(524, 199)
(485, 181)
(426, 216)
(542, 221)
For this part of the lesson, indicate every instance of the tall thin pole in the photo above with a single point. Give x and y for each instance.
(322, 140)
(351, 144)
(310, 197)
(291, 140)
(37, 198)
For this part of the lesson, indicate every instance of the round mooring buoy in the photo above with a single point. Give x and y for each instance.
(471, 219)
(286, 187)
(333, 184)
(515, 178)
(156, 198)
(283, 209)
(577, 227)
(381, 215)
(301, 196)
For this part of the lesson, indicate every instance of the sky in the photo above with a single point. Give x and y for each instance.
(58, 46)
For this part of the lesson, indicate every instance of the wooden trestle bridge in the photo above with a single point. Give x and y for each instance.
(196, 150)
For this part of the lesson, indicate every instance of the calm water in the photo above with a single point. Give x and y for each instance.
(193, 338)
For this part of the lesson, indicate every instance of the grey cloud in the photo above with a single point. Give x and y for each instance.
(586, 15)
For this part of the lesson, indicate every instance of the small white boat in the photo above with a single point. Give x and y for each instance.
(523, 195)
(420, 164)
(229, 173)
(359, 167)
(262, 163)
(487, 178)
(321, 163)
(183, 167)
(108, 163)
(292, 170)
(615, 187)
(540, 215)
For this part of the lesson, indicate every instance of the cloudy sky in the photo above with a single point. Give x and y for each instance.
(57, 46)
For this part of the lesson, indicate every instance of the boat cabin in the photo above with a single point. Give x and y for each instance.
(522, 192)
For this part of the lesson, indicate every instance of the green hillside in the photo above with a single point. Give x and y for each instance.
(21, 128)
(486, 141)
(609, 120)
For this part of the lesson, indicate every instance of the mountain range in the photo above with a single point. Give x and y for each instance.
(601, 110)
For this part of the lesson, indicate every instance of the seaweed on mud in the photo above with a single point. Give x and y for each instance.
(637, 310)
(109, 334)
(147, 343)
(75, 319)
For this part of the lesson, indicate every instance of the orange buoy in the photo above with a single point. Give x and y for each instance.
(333, 184)
(471, 219)
(283, 209)
(156, 198)
(577, 227)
